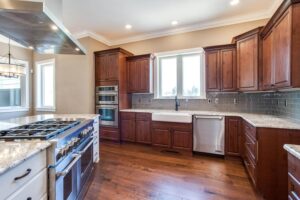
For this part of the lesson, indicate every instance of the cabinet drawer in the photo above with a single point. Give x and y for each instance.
(143, 116)
(8, 184)
(249, 129)
(250, 166)
(110, 134)
(35, 189)
(294, 166)
(250, 145)
(128, 115)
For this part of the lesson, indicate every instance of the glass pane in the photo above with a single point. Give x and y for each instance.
(191, 75)
(168, 70)
(10, 92)
(48, 83)
(107, 114)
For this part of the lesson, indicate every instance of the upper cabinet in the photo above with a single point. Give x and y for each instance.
(248, 60)
(140, 74)
(221, 68)
(281, 48)
(109, 64)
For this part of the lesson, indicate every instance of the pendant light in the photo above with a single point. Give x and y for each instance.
(11, 69)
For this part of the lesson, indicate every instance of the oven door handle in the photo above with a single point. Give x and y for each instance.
(86, 148)
(70, 166)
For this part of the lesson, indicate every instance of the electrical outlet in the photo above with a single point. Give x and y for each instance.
(285, 103)
(235, 101)
(216, 100)
(209, 100)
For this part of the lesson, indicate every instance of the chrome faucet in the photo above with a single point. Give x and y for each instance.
(177, 103)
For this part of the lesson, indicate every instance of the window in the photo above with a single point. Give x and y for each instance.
(45, 85)
(180, 74)
(14, 91)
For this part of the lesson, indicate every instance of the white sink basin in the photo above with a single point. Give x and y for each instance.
(172, 117)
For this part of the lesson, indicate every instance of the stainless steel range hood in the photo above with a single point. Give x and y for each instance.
(38, 24)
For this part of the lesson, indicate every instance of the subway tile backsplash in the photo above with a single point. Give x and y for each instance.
(285, 104)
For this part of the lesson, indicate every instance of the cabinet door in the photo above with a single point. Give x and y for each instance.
(228, 69)
(128, 127)
(101, 70)
(144, 70)
(212, 71)
(232, 136)
(133, 76)
(282, 51)
(161, 137)
(247, 63)
(143, 131)
(268, 64)
(112, 66)
(182, 140)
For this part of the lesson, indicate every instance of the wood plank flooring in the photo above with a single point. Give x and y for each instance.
(131, 172)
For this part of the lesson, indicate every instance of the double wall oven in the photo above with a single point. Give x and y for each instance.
(107, 104)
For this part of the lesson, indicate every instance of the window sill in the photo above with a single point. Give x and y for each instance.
(13, 109)
(45, 109)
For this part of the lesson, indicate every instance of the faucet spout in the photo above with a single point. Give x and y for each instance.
(177, 103)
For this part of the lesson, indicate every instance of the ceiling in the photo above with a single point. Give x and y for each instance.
(105, 20)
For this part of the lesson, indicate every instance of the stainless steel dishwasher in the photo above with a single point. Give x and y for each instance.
(209, 134)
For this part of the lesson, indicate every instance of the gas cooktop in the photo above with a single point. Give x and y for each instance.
(39, 130)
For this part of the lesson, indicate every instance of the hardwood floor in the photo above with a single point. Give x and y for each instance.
(131, 172)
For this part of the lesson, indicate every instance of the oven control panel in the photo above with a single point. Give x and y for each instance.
(74, 142)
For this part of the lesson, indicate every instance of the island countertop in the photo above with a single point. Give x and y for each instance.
(15, 153)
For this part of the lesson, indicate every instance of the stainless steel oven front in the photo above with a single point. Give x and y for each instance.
(73, 171)
(107, 98)
(109, 114)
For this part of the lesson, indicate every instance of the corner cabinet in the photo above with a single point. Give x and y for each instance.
(281, 48)
(248, 60)
(221, 68)
(140, 73)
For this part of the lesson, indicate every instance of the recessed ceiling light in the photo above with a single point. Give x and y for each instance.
(174, 23)
(54, 28)
(234, 2)
(128, 26)
(77, 49)
(31, 47)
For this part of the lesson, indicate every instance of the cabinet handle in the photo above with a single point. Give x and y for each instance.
(295, 196)
(24, 175)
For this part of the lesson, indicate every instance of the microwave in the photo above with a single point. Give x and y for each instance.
(107, 89)
(107, 95)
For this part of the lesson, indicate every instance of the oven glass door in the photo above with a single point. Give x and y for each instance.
(66, 183)
(86, 164)
(109, 115)
(107, 98)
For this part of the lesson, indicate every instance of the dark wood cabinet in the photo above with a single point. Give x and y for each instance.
(176, 136)
(110, 133)
(128, 133)
(140, 74)
(248, 60)
(143, 128)
(233, 140)
(281, 52)
(136, 127)
(293, 177)
(220, 68)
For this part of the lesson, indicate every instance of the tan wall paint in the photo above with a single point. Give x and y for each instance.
(202, 38)
(75, 74)
(75, 79)
(22, 54)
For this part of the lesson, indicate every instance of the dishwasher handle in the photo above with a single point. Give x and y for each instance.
(209, 117)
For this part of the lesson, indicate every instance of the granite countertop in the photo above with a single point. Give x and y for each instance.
(10, 123)
(293, 149)
(257, 120)
(14, 153)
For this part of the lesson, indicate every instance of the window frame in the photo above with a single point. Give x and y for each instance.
(39, 86)
(179, 55)
(24, 90)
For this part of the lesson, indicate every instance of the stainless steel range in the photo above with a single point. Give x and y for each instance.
(70, 157)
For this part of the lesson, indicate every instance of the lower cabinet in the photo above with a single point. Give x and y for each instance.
(293, 177)
(136, 127)
(172, 135)
(109, 133)
(233, 136)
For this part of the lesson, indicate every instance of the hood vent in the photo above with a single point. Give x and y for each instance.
(36, 24)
